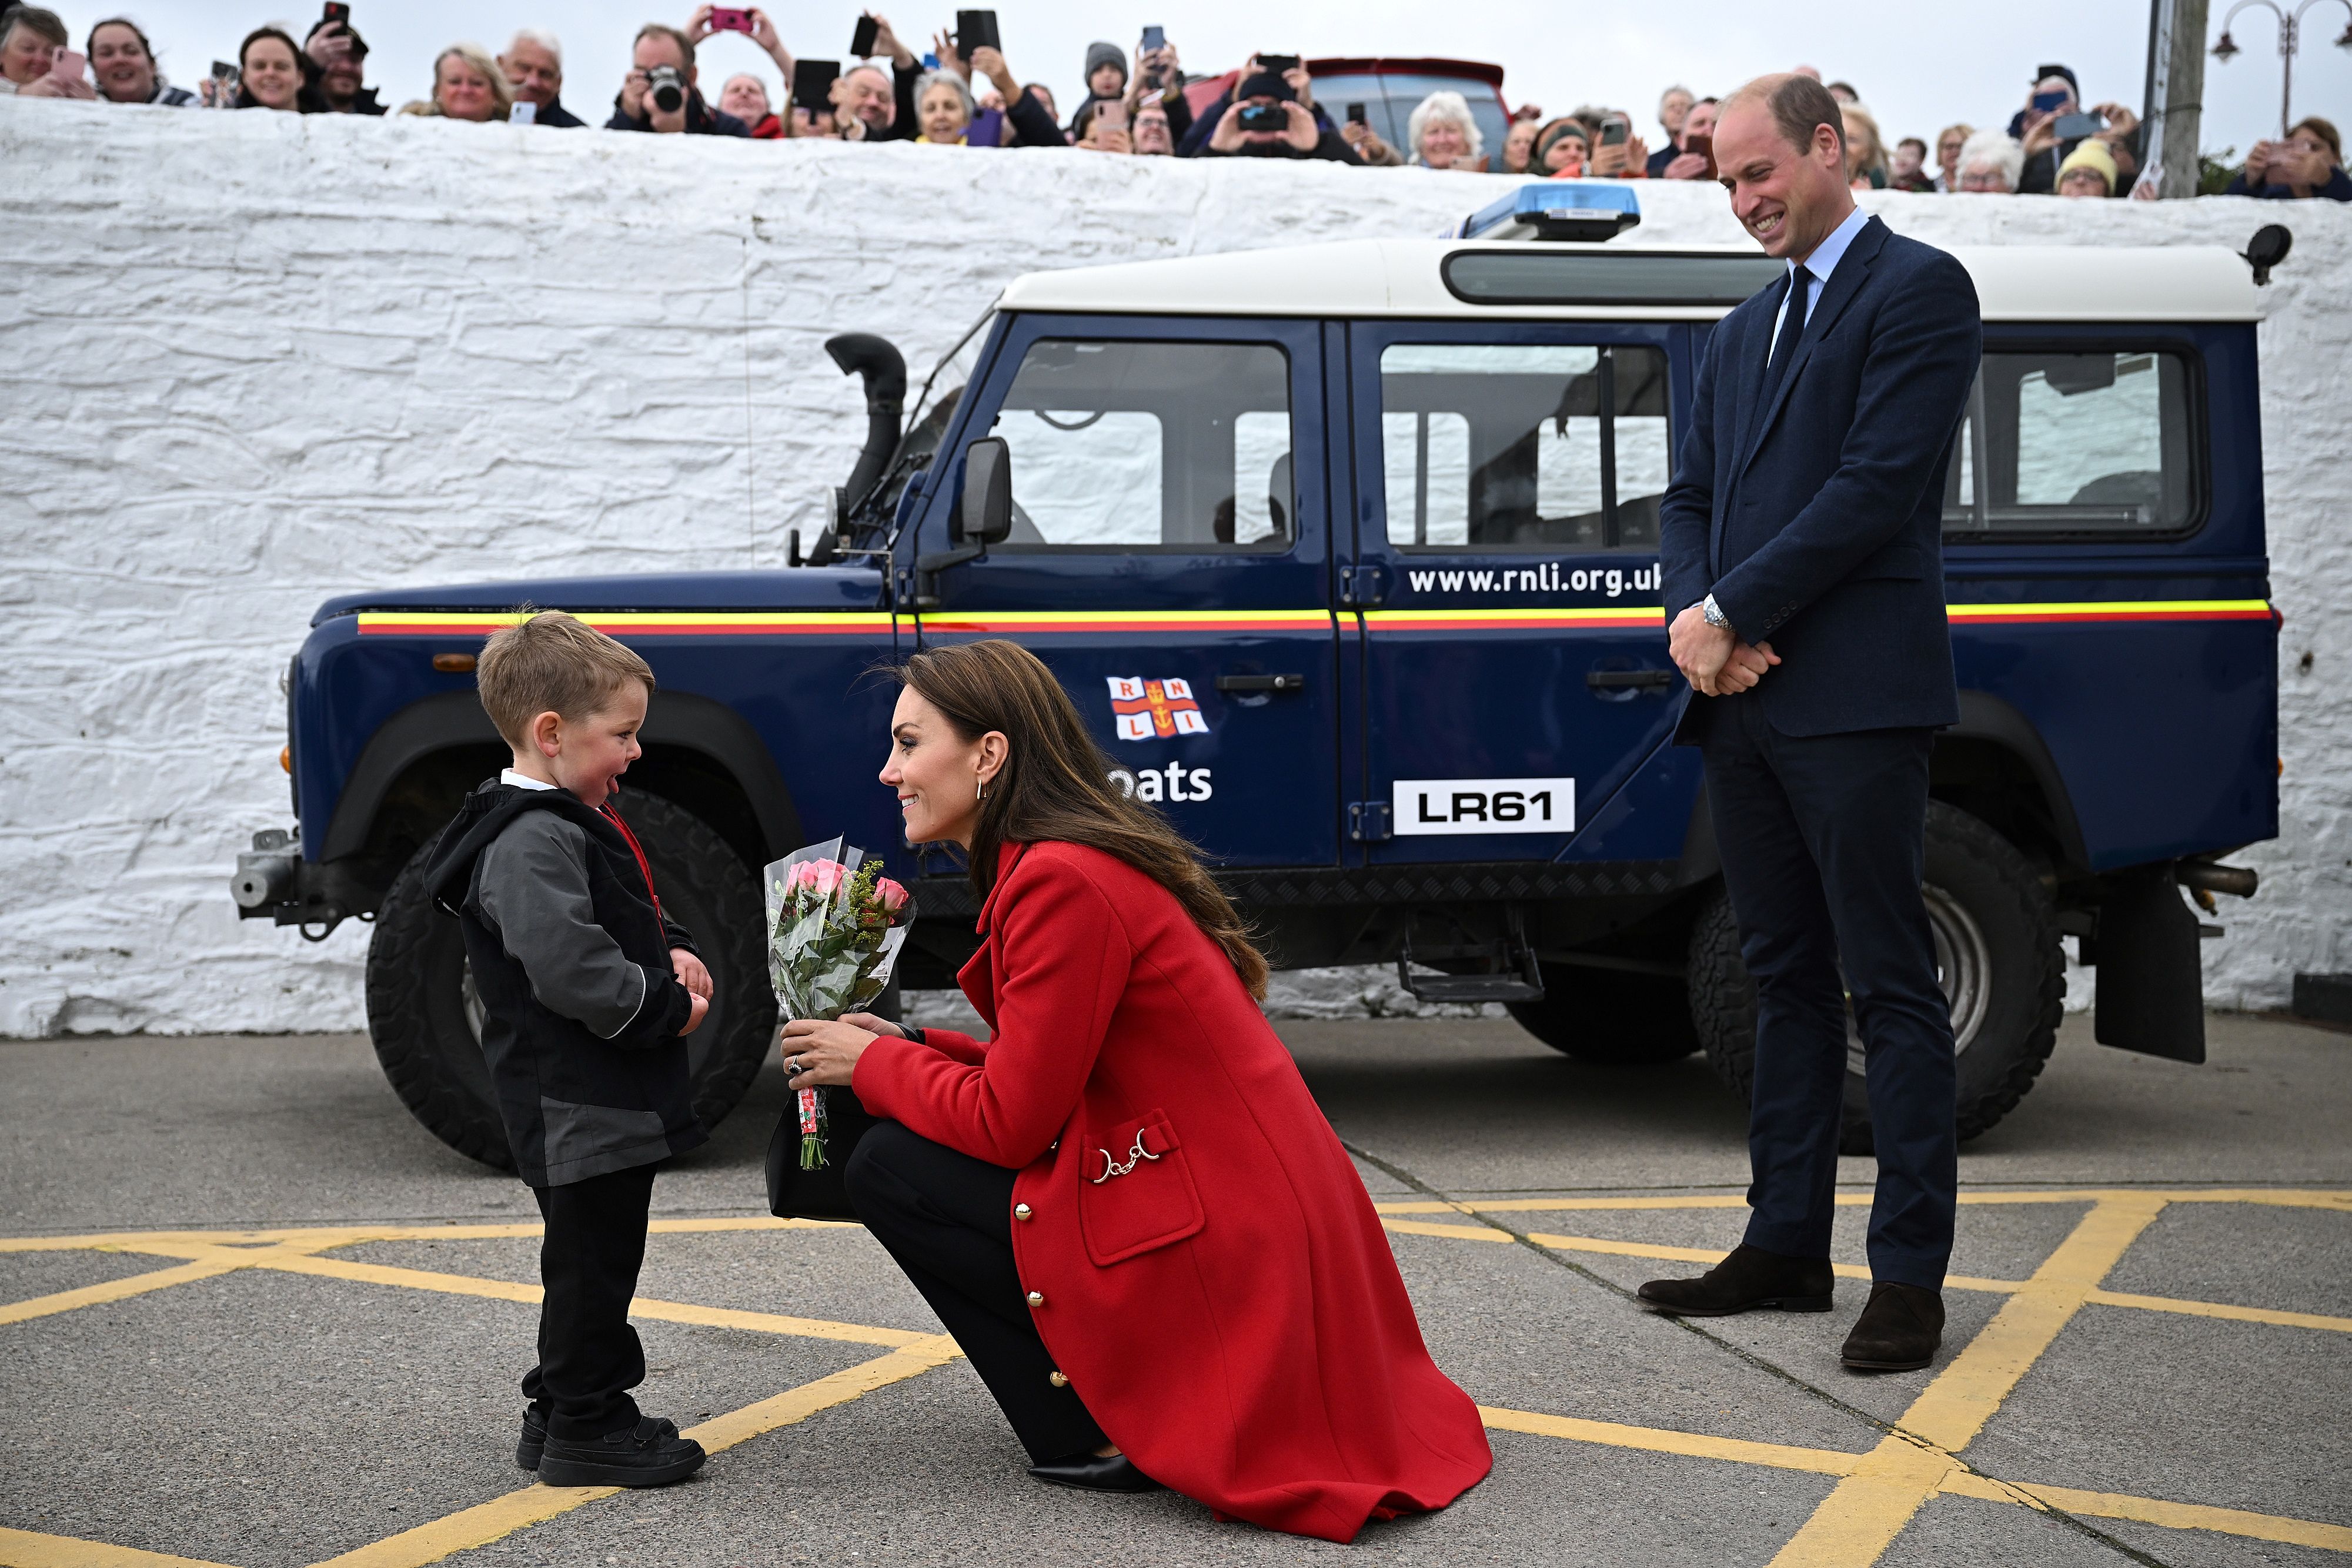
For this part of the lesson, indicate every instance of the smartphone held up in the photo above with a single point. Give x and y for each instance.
(812, 84)
(977, 30)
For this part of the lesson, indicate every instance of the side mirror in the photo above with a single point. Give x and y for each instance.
(984, 515)
(2267, 249)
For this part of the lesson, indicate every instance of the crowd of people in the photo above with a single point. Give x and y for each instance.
(963, 93)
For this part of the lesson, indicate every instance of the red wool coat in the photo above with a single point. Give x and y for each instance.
(1225, 1303)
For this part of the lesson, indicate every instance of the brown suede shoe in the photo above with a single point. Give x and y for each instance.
(1748, 1278)
(1899, 1330)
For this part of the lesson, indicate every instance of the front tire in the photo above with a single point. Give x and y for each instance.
(427, 1023)
(1997, 956)
(1611, 1017)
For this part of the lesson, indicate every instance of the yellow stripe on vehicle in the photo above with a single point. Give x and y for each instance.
(637, 623)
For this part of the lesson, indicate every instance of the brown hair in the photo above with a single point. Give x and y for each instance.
(662, 30)
(2323, 128)
(41, 24)
(90, 46)
(549, 661)
(1799, 105)
(1056, 785)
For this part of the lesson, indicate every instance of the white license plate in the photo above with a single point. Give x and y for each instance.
(1484, 806)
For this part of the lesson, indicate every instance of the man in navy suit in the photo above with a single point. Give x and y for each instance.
(1800, 553)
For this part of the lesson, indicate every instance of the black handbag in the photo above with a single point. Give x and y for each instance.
(822, 1192)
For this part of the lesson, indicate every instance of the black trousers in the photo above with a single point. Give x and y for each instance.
(1824, 840)
(946, 1219)
(588, 1357)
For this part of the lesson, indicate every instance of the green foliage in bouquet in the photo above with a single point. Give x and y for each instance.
(830, 943)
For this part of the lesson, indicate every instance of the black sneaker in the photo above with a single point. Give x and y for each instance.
(533, 1440)
(650, 1454)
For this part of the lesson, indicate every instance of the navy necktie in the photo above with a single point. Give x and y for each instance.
(1792, 326)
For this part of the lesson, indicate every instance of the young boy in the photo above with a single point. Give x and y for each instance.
(587, 987)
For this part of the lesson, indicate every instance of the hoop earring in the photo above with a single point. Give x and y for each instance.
(980, 791)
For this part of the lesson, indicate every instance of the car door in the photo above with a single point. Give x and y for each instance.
(1169, 562)
(1514, 656)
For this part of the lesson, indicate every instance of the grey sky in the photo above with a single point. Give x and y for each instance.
(1918, 67)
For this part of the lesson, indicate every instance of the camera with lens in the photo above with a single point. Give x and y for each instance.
(667, 88)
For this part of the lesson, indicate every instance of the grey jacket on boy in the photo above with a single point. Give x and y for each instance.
(570, 953)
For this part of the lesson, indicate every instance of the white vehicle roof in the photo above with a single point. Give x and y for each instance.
(1352, 278)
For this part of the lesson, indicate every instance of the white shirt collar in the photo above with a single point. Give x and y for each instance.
(1830, 251)
(522, 781)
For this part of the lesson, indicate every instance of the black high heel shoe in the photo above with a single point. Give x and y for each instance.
(1095, 1473)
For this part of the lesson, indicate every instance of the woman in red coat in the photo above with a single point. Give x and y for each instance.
(1125, 1204)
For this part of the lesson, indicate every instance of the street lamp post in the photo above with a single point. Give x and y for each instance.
(2290, 39)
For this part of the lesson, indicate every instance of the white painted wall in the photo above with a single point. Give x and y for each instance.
(247, 360)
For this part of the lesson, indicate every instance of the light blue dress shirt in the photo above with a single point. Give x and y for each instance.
(1821, 264)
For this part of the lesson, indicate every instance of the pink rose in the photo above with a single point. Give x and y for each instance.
(821, 877)
(889, 895)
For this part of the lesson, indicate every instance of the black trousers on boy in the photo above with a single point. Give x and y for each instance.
(1824, 840)
(588, 1357)
(946, 1219)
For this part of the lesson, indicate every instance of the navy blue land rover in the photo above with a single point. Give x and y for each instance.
(1354, 566)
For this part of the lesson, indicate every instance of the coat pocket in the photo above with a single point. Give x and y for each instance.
(1136, 1192)
(1900, 562)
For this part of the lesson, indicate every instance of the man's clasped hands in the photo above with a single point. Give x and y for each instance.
(1714, 659)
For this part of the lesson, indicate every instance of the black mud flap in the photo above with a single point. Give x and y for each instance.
(2151, 986)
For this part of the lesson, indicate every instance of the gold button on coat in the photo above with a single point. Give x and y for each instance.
(1036, 1299)
(1021, 1212)
(1058, 1380)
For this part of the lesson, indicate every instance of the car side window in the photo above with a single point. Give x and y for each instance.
(2074, 443)
(1137, 445)
(1500, 446)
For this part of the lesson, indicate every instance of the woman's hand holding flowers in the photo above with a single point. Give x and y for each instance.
(827, 1050)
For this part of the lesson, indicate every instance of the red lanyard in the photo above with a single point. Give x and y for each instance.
(637, 850)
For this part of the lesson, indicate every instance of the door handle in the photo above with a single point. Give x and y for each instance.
(1633, 680)
(1261, 682)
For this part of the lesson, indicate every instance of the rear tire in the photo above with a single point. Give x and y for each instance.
(1998, 957)
(425, 1020)
(1611, 1017)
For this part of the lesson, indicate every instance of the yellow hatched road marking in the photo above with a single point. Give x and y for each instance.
(1860, 1519)
(501, 1516)
(2220, 1310)
(1661, 1440)
(119, 1289)
(2286, 1198)
(1957, 1480)
(641, 1306)
(1878, 1493)
(2194, 1516)
(321, 1237)
(28, 1549)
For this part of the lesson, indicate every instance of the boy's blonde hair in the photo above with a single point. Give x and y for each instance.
(551, 661)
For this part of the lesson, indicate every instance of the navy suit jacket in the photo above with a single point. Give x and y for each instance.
(1817, 521)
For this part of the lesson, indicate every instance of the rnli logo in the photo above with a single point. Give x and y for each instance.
(1154, 710)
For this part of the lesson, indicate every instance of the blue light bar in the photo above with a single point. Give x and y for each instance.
(1588, 210)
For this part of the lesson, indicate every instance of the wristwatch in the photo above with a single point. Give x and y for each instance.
(1714, 613)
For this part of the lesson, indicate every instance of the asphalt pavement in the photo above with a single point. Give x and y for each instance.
(251, 1313)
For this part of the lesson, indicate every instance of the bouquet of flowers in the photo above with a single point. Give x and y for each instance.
(834, 927)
